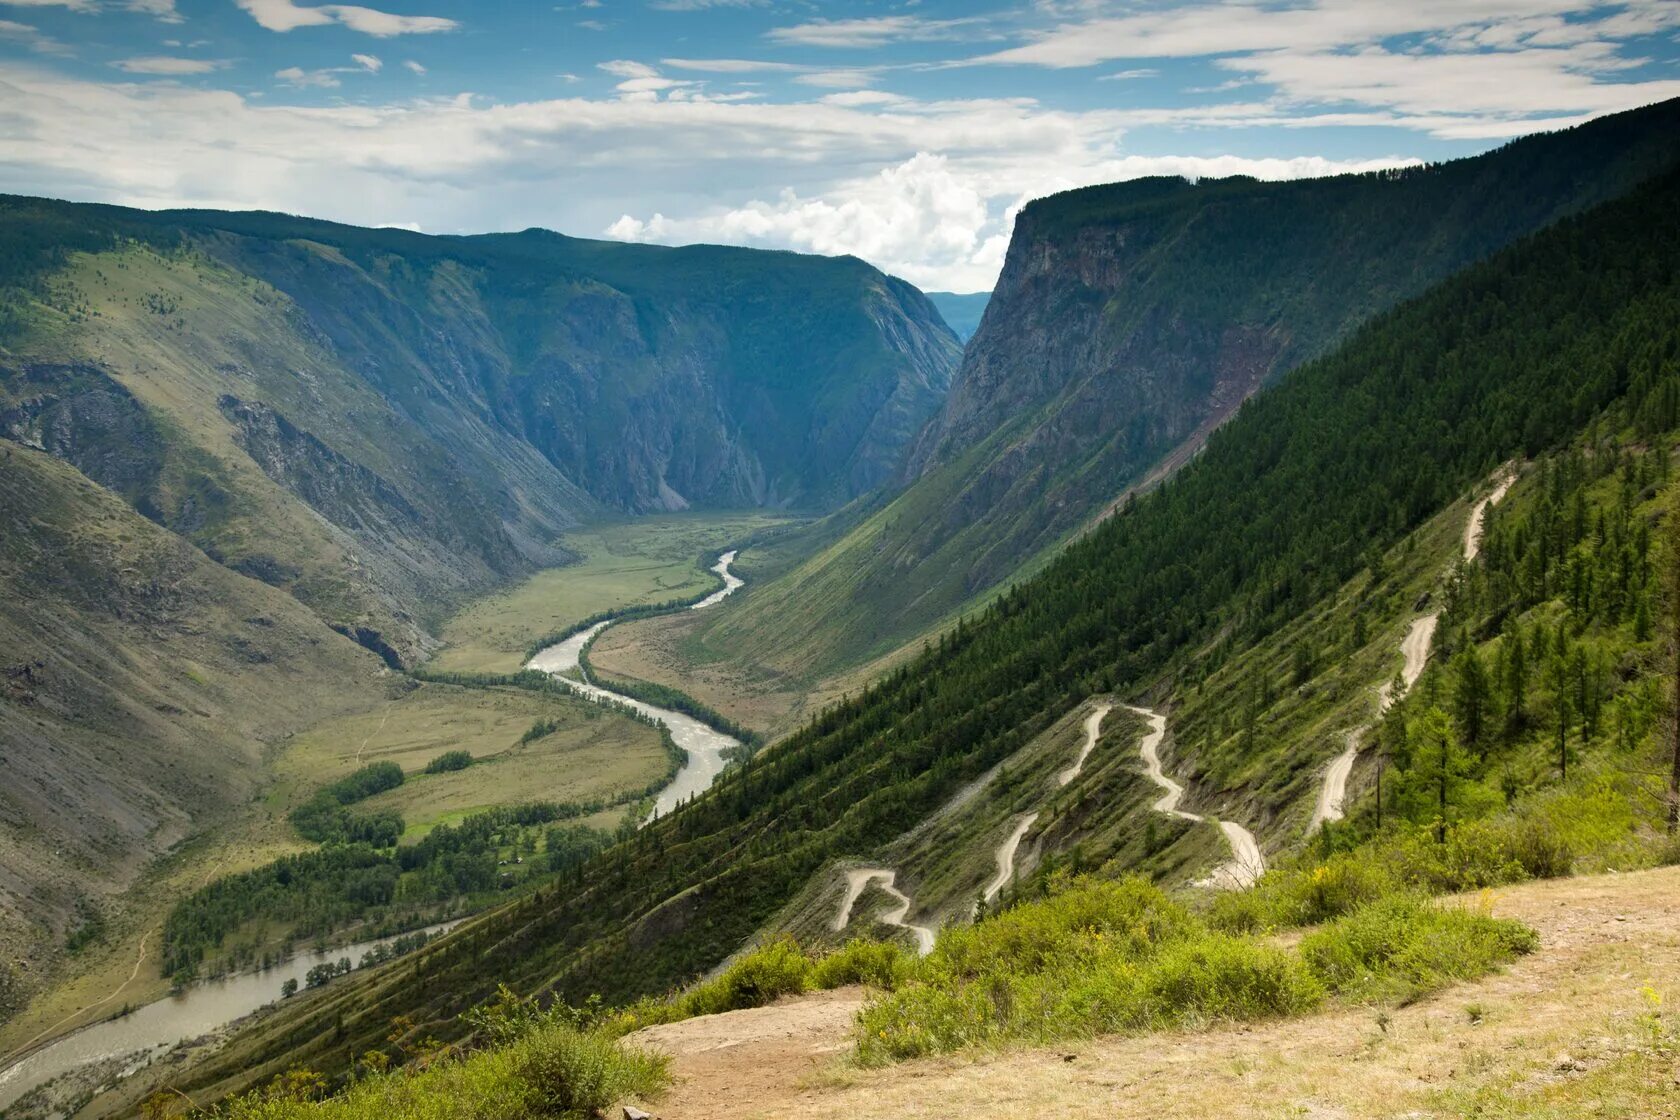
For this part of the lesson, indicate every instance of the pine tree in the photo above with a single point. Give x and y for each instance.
(1470, 696)
(1433, 785)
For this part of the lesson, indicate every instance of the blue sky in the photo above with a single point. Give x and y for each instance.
(908, 133)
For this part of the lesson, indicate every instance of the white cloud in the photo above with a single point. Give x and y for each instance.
(625, 68)
(301, 78)
(838, 79)
(31, 37)
(1128, 75)
(287, 15)
(368, 62)
(414, 66)
(164, 64)
(703, 5)
(1513, 84)
(875, 31)
(733, 66)
(939, 223)
(73, 5)
(1243, 26)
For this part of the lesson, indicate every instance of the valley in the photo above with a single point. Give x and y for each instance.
(1241, 678)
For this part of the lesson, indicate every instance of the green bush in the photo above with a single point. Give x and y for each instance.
(1304, 896)
(1405, 946)
(1130, 918)
(567, 1072)
(449, 760)
(762, 976)
(922, 1020)
(1217, 978)
(881, 964)
(554, 1071)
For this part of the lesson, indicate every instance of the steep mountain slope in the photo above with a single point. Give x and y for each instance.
(1509, 358)
(383, 422)
(141, 684)
(1129, 322)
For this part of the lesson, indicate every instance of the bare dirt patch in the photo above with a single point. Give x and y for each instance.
(1538, 1034)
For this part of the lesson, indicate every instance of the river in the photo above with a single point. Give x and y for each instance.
(200, 1009)
(704, 745)
(215, 1003)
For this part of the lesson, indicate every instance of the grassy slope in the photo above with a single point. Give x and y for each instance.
(123, 640)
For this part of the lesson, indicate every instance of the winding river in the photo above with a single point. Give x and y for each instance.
(147, 1031)
(213, 1004)
(704, 745)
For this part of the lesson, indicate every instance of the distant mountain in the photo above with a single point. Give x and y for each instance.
(961, 310)
(383, 422)
(1129, 322)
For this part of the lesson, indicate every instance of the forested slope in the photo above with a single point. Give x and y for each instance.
(1129, 321)
(1344, 457)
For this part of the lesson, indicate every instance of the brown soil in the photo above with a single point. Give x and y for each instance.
(1550, 1036)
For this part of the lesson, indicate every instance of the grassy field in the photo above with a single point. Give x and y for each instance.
(593, 753)
(648, 560)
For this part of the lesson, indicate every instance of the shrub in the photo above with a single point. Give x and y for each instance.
(1093, 918)
(923, 1019)
(762, 976)
(1405, 946)
(567, 1072)
(554, 1070)
(1304, 896)
(448, 761)
(1217, 978)
(881, 964)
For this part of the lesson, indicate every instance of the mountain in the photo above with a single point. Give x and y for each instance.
(238, 446)
(1129, 322)
(140, 686)
(383, 423)
(961, 310)
(1336, 486)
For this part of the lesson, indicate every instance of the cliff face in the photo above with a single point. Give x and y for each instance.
(383, 423)
(1128, 323)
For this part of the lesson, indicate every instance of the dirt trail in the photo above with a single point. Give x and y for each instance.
(1549, 1019)
(1005, 854)
(859, 878)
(1093, 730)
(1414, 648)
(1246, 863)
(1006, 857)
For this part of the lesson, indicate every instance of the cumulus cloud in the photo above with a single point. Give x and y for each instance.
(414, 66)
(940, 223)
(287, 15)
(368, 62)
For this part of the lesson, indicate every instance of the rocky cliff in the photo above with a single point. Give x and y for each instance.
(1130, 321)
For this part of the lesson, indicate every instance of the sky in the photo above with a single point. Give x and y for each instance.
(906, 132)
